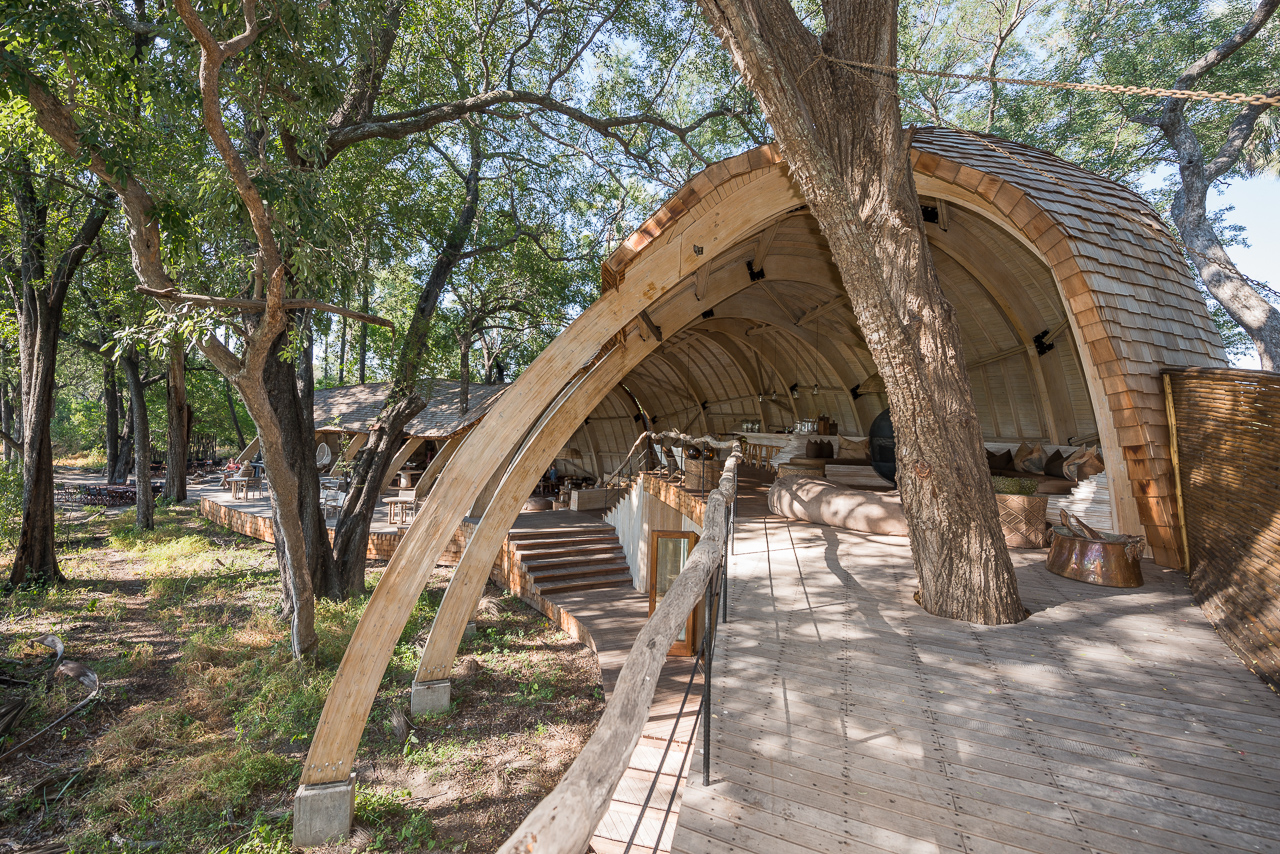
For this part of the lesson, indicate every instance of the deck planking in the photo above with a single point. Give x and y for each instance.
(614, 617)
(847, 719)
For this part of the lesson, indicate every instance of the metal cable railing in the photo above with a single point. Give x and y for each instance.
(565, 820)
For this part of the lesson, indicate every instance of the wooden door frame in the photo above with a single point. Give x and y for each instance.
(685, 647)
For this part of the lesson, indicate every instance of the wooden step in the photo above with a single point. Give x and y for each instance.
(593, 583)
(613, 556)
(570, 548)
(552, 575)
(522, 534)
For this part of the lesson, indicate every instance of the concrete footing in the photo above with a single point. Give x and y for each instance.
(429, 697)
(323, 813)
(469, 630)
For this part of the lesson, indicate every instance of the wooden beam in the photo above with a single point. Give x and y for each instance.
(653, 327)
(826, 307)
(785, 309)
(406, 450)
(765, 242)
(249, 451)
(649, 276)
(357, 442)
(995, 357)
(467, 584)
(437, 465)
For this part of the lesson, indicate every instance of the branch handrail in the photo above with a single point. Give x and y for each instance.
(649, 436)
(563, 822)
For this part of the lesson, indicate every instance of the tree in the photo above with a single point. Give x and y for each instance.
(179, 421)
(839, 127)
(1202, 145)
(277, 122)
(38, 290)
(1259, 318)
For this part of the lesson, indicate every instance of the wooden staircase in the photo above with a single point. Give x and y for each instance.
(562, 560)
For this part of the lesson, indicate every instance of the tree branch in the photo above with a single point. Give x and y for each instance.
(257, 305)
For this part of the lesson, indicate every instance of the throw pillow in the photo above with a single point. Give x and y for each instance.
(1002, 461)
(1053, 465)
(855, 449)
(811, 449)
(826, 451)
(1035, 462)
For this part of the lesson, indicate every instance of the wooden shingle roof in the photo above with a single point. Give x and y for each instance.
(351, 408)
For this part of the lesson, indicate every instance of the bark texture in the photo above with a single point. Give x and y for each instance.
(111, 395)
(179, 433)
(38, 304)
(840, 129)
(145, 510)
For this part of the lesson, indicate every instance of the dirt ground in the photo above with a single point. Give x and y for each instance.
(196, 739)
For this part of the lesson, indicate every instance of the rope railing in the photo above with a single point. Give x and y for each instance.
(565, 820)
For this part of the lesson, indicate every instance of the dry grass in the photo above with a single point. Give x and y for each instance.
(204, 719)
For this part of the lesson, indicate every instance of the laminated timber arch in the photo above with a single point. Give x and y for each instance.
(1120, 290)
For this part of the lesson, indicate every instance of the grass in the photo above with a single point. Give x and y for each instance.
(197, 739)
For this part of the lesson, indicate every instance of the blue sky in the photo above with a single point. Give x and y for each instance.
(1255, 203)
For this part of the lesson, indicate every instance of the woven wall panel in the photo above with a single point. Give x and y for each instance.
(1227, 426)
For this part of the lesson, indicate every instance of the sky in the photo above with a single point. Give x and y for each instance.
(1255, 209)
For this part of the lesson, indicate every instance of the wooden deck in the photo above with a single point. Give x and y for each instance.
(846, 719)
(612, 618)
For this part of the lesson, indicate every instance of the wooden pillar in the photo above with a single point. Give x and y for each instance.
(437, 465)
(406, 450)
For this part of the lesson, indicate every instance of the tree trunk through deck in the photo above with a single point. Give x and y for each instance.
(840, 129)
(145, 516)
(179, 434)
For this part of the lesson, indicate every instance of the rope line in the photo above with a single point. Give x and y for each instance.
(1266, 290)
(1146, 91)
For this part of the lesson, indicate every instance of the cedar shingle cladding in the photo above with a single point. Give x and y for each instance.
(1123, 278)
(351, 408)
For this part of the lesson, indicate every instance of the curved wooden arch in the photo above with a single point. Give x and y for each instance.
(658, 268)
(738, 216)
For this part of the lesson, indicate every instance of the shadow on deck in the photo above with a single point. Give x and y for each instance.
(847, 719)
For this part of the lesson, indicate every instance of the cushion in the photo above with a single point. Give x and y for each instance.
(1030, 459)
(820, 501)
(1000, 462)
(1053, 465)
(811, 449)
(1082, 465)
(826, 451)
(855, 449)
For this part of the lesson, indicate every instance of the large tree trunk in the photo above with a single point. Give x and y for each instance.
(351, 533)
(464, 373)
(175, 483)
(404, 401)
(111, 405)
(840, 130)
(39, 312)
(288, 449)
(145, 518)
(35, 559)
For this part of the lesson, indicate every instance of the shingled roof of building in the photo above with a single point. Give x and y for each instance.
(351, 408)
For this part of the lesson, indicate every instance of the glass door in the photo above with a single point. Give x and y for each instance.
(668, 551)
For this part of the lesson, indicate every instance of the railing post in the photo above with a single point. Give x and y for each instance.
(707, 648)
